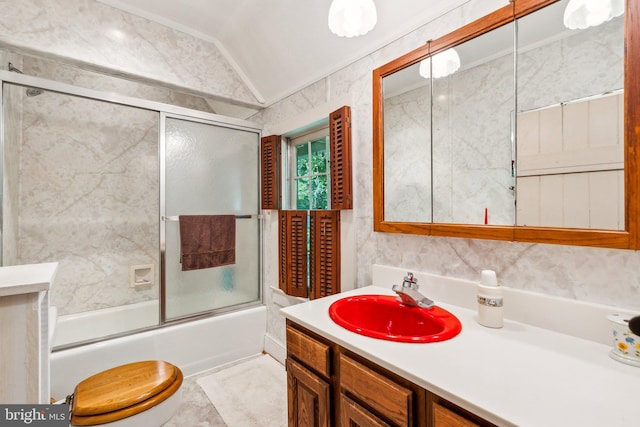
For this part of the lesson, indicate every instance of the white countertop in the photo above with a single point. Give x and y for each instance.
(28, 278)
(519, 375)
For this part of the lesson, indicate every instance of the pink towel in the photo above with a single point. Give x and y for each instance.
(207, 241)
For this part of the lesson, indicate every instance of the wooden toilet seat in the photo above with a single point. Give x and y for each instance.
(123, 391)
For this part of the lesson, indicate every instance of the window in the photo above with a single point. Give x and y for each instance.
(309, 171)
(309, 233)
(341, 187)
(308, 189)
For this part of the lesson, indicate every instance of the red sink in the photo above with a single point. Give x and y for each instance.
(385, 318)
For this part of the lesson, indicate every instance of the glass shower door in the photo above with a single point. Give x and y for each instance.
(210, 169)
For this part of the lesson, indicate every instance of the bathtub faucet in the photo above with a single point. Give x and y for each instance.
(408, 293)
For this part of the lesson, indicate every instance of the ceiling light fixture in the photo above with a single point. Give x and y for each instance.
(352, 18)
(581, 14)
(444, 63)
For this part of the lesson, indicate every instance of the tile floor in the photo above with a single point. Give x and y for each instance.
(196, 409)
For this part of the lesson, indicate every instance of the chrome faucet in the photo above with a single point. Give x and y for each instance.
(408, 293)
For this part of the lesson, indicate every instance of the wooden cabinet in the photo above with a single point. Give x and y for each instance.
(308, 380)
(331, 386)
(445, 414)
(443, 417)
(308, 397)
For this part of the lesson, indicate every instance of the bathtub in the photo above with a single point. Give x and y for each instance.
(77, 327)
(193, 346)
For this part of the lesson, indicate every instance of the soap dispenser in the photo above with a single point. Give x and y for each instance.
(489, 300)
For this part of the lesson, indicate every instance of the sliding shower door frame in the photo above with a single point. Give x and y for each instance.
(163, 221)
(165, 111)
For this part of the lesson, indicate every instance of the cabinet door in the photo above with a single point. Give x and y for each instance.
(354, 415)
(309, 402)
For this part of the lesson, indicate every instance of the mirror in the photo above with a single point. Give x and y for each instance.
(456, 156)
(472, 133)
(407, 149)
(570, 122)
(470, 140)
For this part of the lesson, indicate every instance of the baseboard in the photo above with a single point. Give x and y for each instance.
(275, 348)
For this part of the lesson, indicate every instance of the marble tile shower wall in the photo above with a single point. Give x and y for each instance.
(59, 72)
(604, 276)
(92, 34)
(89, 197)
(11, 162)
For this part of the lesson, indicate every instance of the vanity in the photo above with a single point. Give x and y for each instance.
(535, 371)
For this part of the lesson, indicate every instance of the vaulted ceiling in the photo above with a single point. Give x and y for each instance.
(280, 46)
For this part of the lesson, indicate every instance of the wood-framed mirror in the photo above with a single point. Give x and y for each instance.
(422, 191)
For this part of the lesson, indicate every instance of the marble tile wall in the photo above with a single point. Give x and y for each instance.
(89, 197)
(472, 149)
(64, 73)
(99, 37)
(566, 70)
(604, 276)
(408, 125)
(13, 97)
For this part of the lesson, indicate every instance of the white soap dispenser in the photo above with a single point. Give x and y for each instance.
(489, 300)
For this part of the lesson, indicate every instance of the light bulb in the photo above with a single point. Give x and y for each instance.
(352, 18)
(444, 63)
(581, 14)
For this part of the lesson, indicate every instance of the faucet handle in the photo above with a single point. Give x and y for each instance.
(410, 281)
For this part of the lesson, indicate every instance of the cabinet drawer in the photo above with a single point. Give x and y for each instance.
(309, 350)
(387, 397)
(443, 417)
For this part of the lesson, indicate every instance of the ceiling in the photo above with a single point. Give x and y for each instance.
(280, 46)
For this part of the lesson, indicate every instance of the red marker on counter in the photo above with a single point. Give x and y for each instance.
(486, 216)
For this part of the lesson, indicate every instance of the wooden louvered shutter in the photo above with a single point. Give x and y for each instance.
(293, 252)
(325, 253)
(340, 143)
(270, 171)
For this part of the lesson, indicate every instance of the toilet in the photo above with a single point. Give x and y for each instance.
(137, 394)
